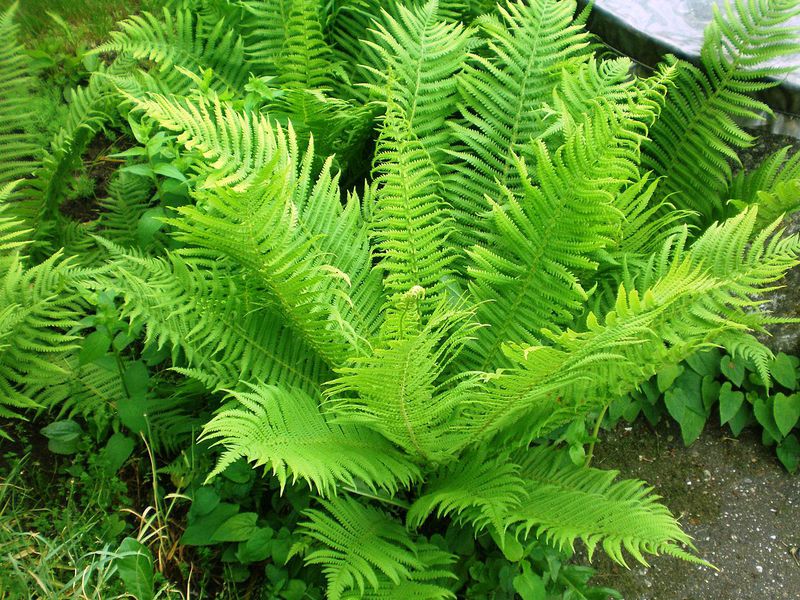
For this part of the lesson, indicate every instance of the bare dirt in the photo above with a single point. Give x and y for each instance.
(732, 496)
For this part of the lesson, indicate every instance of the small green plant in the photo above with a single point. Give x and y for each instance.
(740, 391)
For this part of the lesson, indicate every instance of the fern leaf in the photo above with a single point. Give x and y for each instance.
(502, 95)
(20, 150)
(36, 306)
(284, 39)
(426, 584)
(478, 489)
(396, 389)
(543, 237)
(692, 297)
(774, 186)
(209, 317)
(182, 40)
(696, 138)
(564, 502)
(360, 547)
(285, 431)
(410, 223)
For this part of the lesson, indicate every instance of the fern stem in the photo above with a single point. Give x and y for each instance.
(372, 496)
(595, 433)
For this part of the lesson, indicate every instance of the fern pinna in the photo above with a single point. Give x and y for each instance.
(530, 236)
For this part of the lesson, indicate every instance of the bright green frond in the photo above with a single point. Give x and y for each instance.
(564, 502)
(13, 236)
(182, 40)
(129, 200)
(421, 57)
(235, 144)
(259, 230)
(37, 306)
(397, 390)
(20, 148)
(689, 298)
(503, 90)
(285, 431)
(210, 316)
(697, 136)
(284, 39)
(545, 236)
(411, 223)
(774, 186)
(424, 584)
(478, 489)
(361, 546)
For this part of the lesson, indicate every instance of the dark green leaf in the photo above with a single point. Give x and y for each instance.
(786, 410)
(688, 411)
(257, 547)
(135, 568)
(236, 529)
(784, 371)
(729, 402)
(116, 452)
(789, 453)
(733, 369)
(529, 585)
(762, 408)
(95, 345)
(200, 530)
(63, 437)
(667, 376)
(705, 363)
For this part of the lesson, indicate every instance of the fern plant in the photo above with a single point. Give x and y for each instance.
(516, 254)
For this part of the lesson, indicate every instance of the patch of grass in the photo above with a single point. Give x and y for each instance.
(89, 20)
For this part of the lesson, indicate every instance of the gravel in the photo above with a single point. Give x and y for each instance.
(732, 496)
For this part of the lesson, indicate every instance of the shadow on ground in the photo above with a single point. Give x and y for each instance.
(733, 498)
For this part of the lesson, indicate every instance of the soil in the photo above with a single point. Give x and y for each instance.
(99, 170)
(731, 495)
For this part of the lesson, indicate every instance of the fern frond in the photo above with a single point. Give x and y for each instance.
(564, 502)
(502, 94)
(235, 144)
(285, 431)
(396, 391)
(284, 39)
(596, 81)
(688, 300)
(543, 237)
(421, 57)
(13, 236)
(129, 198)
(411, 224)
(696, 138)
(209, 315)
(774, 186)
(20, 148)
(182, 40)
(37, 307)
(361, 546)
(90, 108)
(258, 230)
(429, 583)
(479, 489)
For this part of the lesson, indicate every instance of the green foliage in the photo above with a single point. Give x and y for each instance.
(300, 441)
(695, 141)
(409, 329)
(743, 389)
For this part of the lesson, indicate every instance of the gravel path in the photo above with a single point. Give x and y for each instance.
(734, 499)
